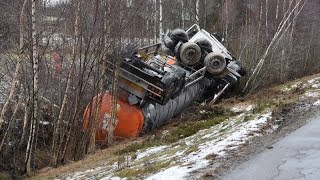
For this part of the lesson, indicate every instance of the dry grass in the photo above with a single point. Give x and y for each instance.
(271, 97)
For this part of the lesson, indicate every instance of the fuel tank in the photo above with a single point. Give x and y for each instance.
(132, 120)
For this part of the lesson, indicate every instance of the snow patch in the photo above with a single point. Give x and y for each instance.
(317, 86)
(317, 103)
(202, 111)
(242, 108)
(44, 122)
(312, 94)
(218, 146)
(149, 151)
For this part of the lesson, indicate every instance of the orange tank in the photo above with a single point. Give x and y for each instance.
(130, 118)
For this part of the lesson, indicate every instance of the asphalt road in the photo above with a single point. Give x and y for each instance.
(295, 157)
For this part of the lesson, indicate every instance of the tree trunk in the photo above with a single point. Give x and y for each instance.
(197, 11)
(30, 146)
(182, 14)
(155, 17)
(25, 121)
(274, 41)
(160, 20)
(14, 84)
(113, 109)
(57, 129)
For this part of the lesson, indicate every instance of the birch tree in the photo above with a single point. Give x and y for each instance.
(182, 14)
(197, 11)
(160, 20)
(14, 83)
(274, 40)
(30, 146)
(57, 129)
(155, 20)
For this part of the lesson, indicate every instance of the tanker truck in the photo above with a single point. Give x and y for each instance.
(157, 82)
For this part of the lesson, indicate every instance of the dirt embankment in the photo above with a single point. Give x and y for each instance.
(291, 105)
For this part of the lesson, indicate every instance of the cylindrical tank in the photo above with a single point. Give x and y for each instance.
(156, 115)
(132, 120)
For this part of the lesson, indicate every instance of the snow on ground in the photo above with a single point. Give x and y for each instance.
(242, 108)
(312, 94)
(141, 154)
(197, 151)
(311, 87)
(314, 91)
(191, 153)
(313, 83)
(317, 103)
(212, 145)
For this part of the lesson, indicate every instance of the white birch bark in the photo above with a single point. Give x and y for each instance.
(57, 129)
(226, 24)
(160, 20)
(29, 151)
(113, 108)
(14, 84)
(197, 12)
(155, 18)
(277, 10)
(182, 14)
(267, 17)
(274, 40)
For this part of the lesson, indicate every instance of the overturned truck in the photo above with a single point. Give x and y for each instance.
(158, 82)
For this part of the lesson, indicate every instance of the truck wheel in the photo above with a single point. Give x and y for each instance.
(169, 81)
(174, 82)
(181, 80)
(190, 53)
(215, 63)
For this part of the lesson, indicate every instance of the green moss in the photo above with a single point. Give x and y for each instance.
(184, 129)
(259, 107)
(161, 165)
(146, 169)
(192, 149)
(248, 118)
(134, 147)
(188, 129)
(129, 172)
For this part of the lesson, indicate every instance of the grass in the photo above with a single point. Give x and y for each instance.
(192, 149)
(146, 169)
(248, 118)
(188, 129)
(274, 98)
(182, 130)
(260, 107)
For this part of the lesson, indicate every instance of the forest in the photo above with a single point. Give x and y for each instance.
(53, 60)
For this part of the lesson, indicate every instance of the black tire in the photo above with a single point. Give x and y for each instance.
(174, 83)
(181, 81)
(215, 63)
(179, 35)
(204, 45)
(190, 53)
(169, 81)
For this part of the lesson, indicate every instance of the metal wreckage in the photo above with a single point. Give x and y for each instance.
(158, 82)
